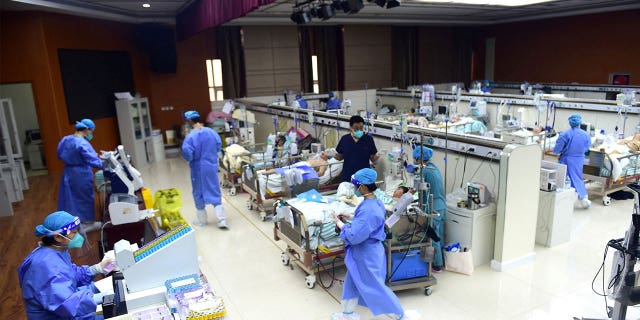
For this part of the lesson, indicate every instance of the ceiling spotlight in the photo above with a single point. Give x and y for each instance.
(393, 4)
(146, 5)
(352, 6)
(381, 3)
(336, 5)
(315, 12)
(301, 17)
(326, 11)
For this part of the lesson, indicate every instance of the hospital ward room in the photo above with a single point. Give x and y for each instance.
(320, 160)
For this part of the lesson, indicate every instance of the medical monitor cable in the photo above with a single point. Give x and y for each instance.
(614, 279)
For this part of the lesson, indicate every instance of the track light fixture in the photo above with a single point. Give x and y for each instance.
(305, 10)
(390, 3)
(393, 4)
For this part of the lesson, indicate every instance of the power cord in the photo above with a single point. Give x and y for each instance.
(615, 279)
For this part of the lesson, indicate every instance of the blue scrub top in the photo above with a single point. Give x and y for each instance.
(356, 154)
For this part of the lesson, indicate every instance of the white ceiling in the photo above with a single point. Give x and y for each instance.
(414, 12)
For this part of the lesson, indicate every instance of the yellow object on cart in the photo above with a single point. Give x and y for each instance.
(147, 197)
(168, 202)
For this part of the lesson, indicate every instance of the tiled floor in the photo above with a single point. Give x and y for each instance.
(243, 265)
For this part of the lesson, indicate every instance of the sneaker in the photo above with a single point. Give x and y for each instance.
(222, 224)
(91, 226)
(586, 203)
(345, 316)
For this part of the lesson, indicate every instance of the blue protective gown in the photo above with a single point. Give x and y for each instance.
(55, 288)
(303, 103)
(432, 176)
(366, 261)
(334, 103)
(76, 193)
(201, 148)
(572, 145)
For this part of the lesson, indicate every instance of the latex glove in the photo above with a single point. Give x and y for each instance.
(97, 298)
(105, 266)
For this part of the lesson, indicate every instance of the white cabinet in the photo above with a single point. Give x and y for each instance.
(134, 120)
(473, 229)
(5, 205)
(555, 211)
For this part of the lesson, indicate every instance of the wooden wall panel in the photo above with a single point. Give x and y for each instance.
(367, 57)
(272, 60)
(582, 49)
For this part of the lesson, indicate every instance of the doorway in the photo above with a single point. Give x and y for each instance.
(26, 119)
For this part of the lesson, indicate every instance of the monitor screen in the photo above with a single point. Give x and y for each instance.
(584, 126)
(506, 117)
(442, 109)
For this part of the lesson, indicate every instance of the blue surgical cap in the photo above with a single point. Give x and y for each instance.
(365, 176)
(57, 222)
(575, 120)
(422, 152)
(85, 124)
(298, 97)
(331, 94)
(191, 115)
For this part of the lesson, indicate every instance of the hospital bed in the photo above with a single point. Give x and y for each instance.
(313, 245)
(308, 231)
(265, 188)
(611, 171)
(235, 156)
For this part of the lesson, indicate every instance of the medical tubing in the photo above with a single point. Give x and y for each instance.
(464, 167)
(333, 271)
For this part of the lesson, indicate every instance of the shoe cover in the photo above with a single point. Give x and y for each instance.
(202, 218)
(345, 316)
(586, 203)
(410, 315)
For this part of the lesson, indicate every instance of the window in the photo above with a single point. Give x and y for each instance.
(214, 79)
(314, 67)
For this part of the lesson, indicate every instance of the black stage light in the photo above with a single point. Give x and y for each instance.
(300, 17)
(315, 12)
(336, 5)
(393, 4)
(381, 3)
(352, 6)
(326, 12)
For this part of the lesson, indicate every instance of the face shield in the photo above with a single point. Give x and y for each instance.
(66, 229)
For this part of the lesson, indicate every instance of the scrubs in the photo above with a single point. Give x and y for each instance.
(76, 186)
(55, 288)
(356, 154)
(431, 175)
(572, 145)
(201, 148)
(334, 103)
(366, 261)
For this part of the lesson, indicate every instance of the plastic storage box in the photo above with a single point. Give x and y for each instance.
(411, 267)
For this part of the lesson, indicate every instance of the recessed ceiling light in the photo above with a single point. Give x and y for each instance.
(146, 5)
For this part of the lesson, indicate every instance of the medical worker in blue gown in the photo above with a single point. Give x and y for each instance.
(431, 175)
(571, 146)
(201, 148)
(52, 286)
(76, 193)
(302, 103)
(365, 259)
(334, 103)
